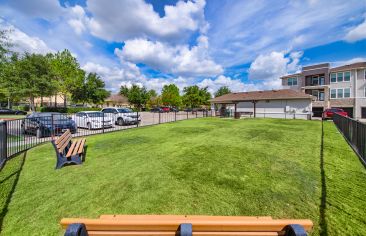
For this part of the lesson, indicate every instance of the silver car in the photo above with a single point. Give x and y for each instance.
(92, 120)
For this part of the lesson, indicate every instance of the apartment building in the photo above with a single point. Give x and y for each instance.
(342, 87)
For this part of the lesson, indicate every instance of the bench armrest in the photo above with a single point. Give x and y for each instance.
(77, 229)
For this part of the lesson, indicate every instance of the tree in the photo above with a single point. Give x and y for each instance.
(222, 91)
(194, 96)
(90, 90)
(170, 95)
(191, 97)
(137, 96)
(32, 77)
(152, 93)
(66, 70)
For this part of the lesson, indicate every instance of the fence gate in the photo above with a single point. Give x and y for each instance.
(3, 143)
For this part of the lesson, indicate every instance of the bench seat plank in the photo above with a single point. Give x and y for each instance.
(71, 149)
(181, 217)
(81, 147)
(61, 138)
(77, 145)
(198, 225)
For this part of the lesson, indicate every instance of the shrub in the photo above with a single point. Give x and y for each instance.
(69, 110)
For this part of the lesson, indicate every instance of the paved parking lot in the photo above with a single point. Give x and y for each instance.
(18, 141)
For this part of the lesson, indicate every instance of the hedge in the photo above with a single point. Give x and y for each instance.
(69, 110)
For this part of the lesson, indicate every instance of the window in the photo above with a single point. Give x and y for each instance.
(347, 76)
(292, 81)
(321, 80)
(318, 94)
(347, 92)
(339, 93)
(321, 96)
(365, 74)
(340, 77)
(333, 78)
(333, 93)
(364, 91)
(315, 80)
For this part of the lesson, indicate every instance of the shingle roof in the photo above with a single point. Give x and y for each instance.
(117, 98)
(349, 67)
(261, 95)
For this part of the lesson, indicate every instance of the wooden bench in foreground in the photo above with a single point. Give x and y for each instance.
(172, 225)
(67, 151)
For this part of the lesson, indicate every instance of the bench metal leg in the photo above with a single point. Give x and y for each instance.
(295, 230)
(185, 230)
(77, 229)
(61, 161)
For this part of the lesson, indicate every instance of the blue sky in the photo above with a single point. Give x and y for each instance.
(243, 44)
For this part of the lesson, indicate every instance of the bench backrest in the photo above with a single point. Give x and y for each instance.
(200, 225)
(63, 141)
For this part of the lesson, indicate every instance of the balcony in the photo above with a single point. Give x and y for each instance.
(315, 81)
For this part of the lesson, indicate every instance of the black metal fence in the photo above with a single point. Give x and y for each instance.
(22, 134)
(354, 132)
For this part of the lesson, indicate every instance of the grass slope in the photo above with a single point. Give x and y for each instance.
(204, 166)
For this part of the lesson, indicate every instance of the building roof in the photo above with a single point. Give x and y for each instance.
(261, 95)
(316, 66)
(349, 67)
(291, 75)
(117, 98)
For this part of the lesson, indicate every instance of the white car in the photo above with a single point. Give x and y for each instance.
(122, 116)
(92, 120)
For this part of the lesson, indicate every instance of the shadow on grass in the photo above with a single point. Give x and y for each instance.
(8, 182)
(323, 202)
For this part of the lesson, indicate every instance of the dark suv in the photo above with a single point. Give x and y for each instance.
(44, 124)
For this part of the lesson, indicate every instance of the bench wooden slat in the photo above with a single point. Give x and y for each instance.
(198, 224)
(71, 149)
(77, 145)
(182, 217)
(173, 233)
(81, 147)
(65, 134)
(65, 144)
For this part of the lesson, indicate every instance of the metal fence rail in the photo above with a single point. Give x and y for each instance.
(355, 134)
(22, 134)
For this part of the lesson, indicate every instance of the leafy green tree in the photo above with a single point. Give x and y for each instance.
(222, 91)
(152, 93)
(66, 70)
(32, 77)
(137, 96)
(90, 90)
(194, 96)
(170, 95)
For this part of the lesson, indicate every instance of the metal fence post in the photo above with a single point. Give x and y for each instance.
(187, 114)
(175, 115)
(52, 127)
(159, 117)
(103, 123)
(137, 119)
(3, 143)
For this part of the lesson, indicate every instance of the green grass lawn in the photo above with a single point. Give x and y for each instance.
(11, 117)
(257, 167)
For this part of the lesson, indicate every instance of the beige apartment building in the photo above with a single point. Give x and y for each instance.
(341, 87)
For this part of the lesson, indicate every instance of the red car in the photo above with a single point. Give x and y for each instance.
(165, 109)
(328, 113)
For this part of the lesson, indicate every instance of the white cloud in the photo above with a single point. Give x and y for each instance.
(21, 42)
(179, 60)
(78, 19)
(213, 85)
(273, 65)
(123, 20)
(347, 62)
(242, 30)
(357, 33)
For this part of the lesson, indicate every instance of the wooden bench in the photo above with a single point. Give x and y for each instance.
(67, 151)
(171, 225)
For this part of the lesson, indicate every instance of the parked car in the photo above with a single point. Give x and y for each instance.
(6, 111)
(93, 120)
(174, 109)
(43, 124)
(188, 110)
(122, 116)
(166, 109)
(328, 113)
(157, 110)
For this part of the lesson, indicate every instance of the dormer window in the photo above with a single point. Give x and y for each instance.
(292, 81)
